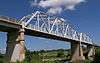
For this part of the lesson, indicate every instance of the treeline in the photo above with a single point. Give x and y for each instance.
(38, 56)
(46, 51)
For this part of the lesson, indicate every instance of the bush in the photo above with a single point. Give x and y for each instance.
(87, 61)
(97, 56)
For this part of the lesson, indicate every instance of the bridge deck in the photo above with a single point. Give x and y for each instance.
(7, 25)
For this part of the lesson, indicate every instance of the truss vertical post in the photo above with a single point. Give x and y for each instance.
(63, 29)
(38, 21)
(48, 23)
(66, 31)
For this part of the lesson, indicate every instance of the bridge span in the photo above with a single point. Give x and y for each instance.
(42, 25)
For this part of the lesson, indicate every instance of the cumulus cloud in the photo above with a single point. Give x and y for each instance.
(55, 10)
(56, 6)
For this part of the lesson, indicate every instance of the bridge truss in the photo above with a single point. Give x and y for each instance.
(46, 23)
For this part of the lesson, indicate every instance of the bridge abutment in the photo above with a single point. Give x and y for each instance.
(76, 53)
(15, 46)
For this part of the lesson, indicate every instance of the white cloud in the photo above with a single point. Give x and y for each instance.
(55, 10)
(56, 6)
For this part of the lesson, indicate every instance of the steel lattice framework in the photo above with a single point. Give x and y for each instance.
(43, 22)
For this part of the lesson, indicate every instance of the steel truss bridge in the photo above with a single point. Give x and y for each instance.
(44, 25)
(52, 25)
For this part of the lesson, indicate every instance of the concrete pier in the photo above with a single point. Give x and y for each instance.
(76, 53)
(91, 52)
(15, 46)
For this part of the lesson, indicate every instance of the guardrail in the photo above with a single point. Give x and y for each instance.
(10, 19)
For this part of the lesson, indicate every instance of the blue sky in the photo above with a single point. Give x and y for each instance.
(85, 17)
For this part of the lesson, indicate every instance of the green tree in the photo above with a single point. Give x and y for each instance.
(28, 56)
(60, 54)
(97, 56)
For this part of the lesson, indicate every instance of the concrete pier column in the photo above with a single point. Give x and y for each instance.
(91, 52)
(15, 46)
(76, 53)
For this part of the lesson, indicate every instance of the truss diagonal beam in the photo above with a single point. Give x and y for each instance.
(56, 26)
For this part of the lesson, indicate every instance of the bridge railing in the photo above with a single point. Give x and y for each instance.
(10, 19)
